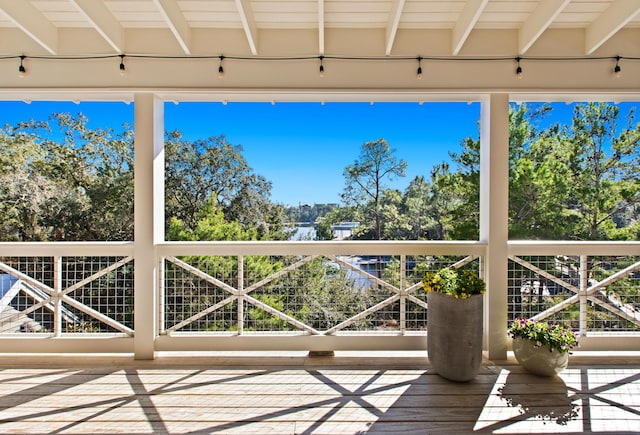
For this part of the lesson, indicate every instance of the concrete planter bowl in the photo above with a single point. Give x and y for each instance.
(454, 336)
(539, 360)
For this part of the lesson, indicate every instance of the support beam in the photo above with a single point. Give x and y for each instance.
(494, 205)
(148, 218)
(538, 21)
(103, 21)
(465, 23)
(321, 27)
(249, 24)
(32, 22)
(392, 25)
(609, 22)
(174, 18)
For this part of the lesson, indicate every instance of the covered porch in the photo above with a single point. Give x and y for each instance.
(132, 374)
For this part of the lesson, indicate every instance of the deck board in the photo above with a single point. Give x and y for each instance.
(311, 396)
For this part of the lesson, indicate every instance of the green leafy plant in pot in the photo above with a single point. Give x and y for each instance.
(541, 347)
(454, 322)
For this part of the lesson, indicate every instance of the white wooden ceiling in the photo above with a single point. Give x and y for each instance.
(50, 24)
(71, 49)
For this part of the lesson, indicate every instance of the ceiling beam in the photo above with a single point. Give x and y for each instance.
(103, 21)
(466, 21)
(609, 22)
(321, 27)
(32, 22)
(392, 25)
(174, 18)
(249, 24)
(538, 22)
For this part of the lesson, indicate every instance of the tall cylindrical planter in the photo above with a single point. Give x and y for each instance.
(454, 335)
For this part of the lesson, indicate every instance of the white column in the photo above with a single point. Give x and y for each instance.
(57, 296)
(494, 205)
(149, 217)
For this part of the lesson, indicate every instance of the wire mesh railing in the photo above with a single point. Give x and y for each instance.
(55, 295)
(305, 288)
(306, 294)
(588, 293)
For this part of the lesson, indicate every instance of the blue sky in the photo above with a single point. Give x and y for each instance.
(302, 148)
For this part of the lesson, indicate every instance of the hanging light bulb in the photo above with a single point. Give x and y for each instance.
(617, 71)
(21, 69)
(321, 66)
(519, 68)
(419, 72)
(220, 68)
(122, 68)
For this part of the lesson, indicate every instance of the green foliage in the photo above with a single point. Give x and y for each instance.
(211, 225)
(563, 184)
(542, 333)
(79, 188)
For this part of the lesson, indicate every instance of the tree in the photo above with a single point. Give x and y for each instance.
(79, 187)
(426, 206)
(365, 179)
(459, 192)
(603, 183)
(212, 168)
(396, 220)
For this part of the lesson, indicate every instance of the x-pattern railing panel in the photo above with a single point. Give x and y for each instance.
(71, 294)
(587, 292)
(313, 294)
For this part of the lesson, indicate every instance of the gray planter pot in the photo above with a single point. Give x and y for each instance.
(541, 361)
(454, 336)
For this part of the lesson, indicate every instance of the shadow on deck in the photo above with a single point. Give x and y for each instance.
(295, 394)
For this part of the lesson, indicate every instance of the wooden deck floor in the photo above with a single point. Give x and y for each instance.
(299, 395)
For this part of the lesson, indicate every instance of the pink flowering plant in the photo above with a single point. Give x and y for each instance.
(543, 333)
(461, 284)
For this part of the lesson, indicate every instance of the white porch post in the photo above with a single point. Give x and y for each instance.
(149, 217)
(494, 204)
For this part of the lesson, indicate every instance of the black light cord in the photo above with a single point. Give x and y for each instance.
(321, 58)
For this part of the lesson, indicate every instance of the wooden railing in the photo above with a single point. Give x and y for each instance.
(79, 297)
(592, 287)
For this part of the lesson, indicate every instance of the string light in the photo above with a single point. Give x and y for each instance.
(21, 70)
(617, 70)
(220, 68)
(519, 68)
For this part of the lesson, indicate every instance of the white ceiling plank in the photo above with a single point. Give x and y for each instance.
(392, 26)
(321, 27)
(32, 22)
(174, 17)
(609, 22)
(466, 22)
(103, 21)
(538, 21)
(249, 24)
